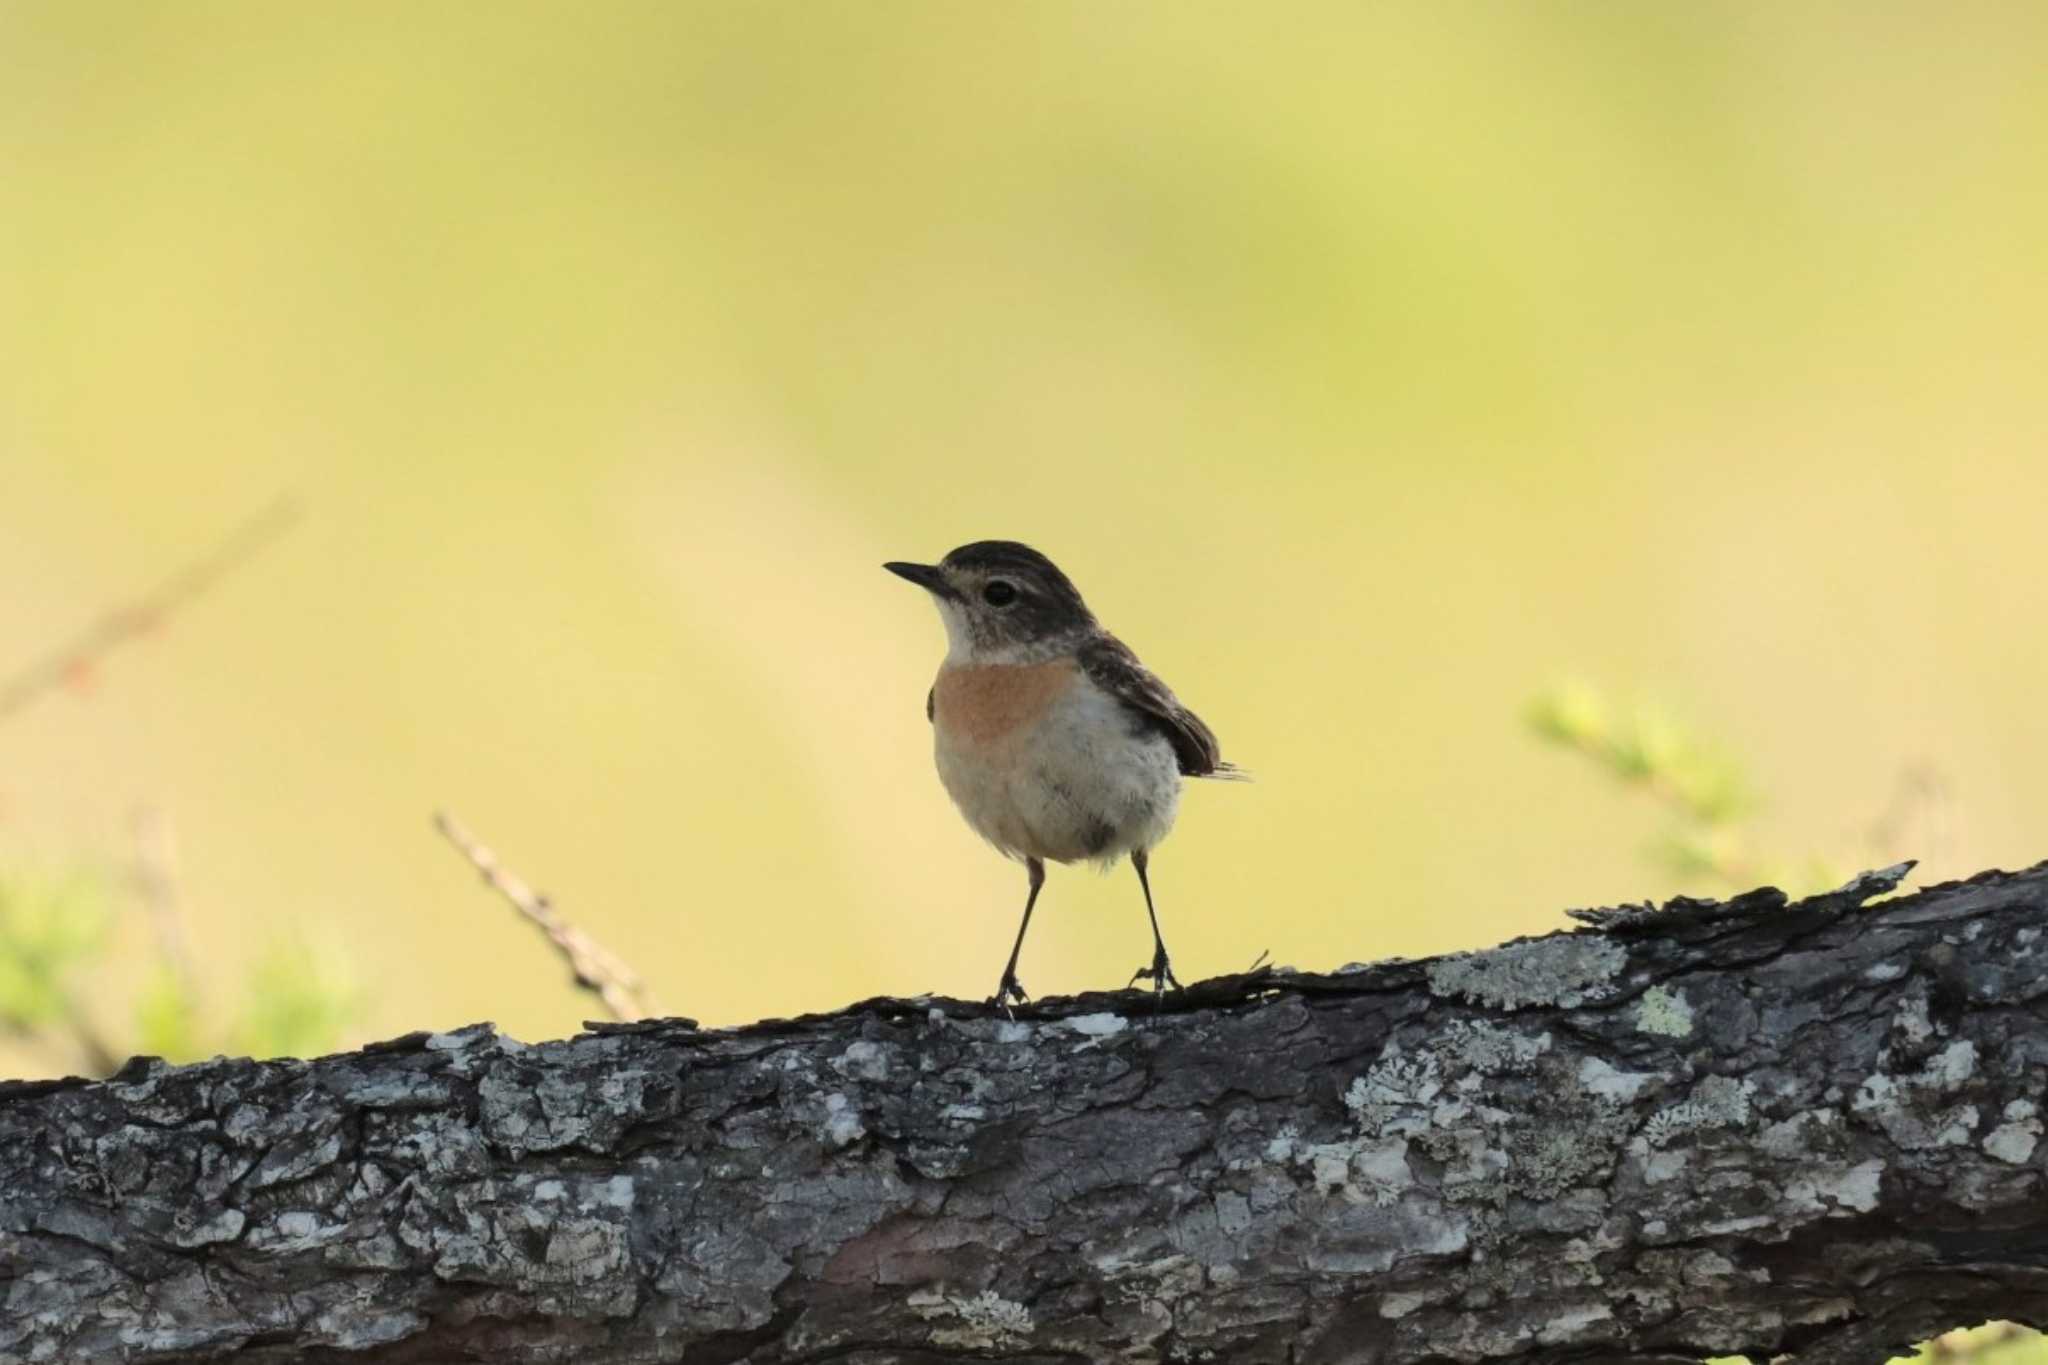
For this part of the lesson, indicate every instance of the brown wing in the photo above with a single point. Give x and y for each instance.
(930, 702)
(1111, 665)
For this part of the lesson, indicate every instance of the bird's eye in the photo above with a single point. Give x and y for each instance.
(999, 592)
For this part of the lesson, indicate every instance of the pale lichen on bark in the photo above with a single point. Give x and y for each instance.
(1694, 1129)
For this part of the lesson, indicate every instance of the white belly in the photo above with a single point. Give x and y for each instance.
(1079, 782)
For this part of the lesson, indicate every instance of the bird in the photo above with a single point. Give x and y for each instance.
(1056, 743)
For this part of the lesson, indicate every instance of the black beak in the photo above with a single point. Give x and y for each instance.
(930, 577)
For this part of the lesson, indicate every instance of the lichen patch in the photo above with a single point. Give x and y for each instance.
(2013, 1141)
(1951, 1066)
(1608, 1083)
(842, 1125)
(1850, 1187)
(1905, 1107)
(1573, 1321)
(863, 1060)
(1491, 1049)
(1716, 1102)
(980, 1322)
(1565, 970)
(1664, 1012)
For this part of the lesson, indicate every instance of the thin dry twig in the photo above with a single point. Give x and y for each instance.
(99, 1054)
(596, 968)
(86, 1040)
(156, 881)
(1921, 816)
(118, 625)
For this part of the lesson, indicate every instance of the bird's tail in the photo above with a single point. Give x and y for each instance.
(1227, 772)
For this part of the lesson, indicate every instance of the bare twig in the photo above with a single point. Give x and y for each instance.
(595, 967)
(1921, 815)
(118, 625)
(99, 1054)
(85, 1042)
(156, 882)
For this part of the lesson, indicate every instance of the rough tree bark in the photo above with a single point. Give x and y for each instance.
(1701, 1128)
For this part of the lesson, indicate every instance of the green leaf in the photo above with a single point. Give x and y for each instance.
(1570, 714)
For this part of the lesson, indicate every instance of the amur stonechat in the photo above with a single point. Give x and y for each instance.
(1053, 740)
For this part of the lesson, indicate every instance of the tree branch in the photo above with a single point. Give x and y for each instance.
(1705, 1128)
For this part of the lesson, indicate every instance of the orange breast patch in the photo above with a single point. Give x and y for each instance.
(984, 704)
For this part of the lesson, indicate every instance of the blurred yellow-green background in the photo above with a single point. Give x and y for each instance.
(1370, 367)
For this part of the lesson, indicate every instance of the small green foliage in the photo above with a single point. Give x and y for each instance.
(1570, 714)
(1705, 792)
(167, 1019)
(50, 928)
(1645, 747)
(56, 935)
(1995, 1343)
(301, 1002)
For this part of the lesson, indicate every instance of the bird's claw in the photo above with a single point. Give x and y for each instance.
(1008, 990)
(1160, 974)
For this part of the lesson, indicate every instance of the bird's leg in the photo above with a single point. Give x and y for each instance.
(1009, 988)
(1160, 973)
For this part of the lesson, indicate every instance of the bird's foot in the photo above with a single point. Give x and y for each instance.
(1160, 974)
(1009, 990)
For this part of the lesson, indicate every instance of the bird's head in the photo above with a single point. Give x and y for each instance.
(1002, 602)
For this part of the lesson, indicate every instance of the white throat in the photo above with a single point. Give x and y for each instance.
(963, 650)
